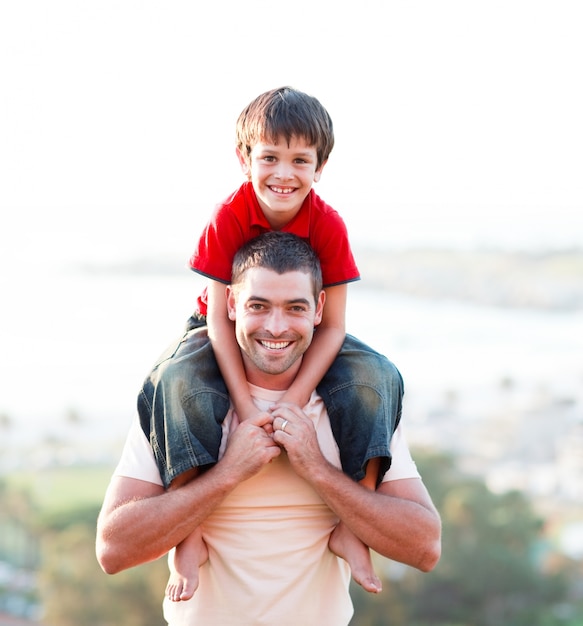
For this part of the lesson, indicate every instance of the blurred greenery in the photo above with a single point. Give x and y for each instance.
(56, 511)
(62, 488)
(75, 591)
(497, 567)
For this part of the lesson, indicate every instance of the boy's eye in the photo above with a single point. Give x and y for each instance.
(269, 159)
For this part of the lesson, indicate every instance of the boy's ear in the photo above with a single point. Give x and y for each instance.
(245, 162)
(318, 172)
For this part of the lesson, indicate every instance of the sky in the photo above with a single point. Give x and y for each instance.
(457, 122)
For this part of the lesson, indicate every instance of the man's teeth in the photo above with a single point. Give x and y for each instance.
(275, 345)
(282, 189)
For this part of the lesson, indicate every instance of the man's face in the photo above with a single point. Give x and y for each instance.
(274, 317)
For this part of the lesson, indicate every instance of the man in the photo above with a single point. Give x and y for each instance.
(268, 507)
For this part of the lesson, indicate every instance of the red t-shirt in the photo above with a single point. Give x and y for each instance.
(239, 218)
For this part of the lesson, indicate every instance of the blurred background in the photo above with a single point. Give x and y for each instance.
(457, 168)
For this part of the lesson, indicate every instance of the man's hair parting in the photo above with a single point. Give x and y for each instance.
(280, 252)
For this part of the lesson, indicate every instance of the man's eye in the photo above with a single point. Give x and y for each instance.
(256, 306)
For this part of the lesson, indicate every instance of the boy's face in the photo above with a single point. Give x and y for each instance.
(282, 176)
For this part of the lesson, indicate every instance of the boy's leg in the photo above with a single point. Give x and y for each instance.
(181, 406)
(187, 557)
(345, 544)
(184, 562)
(363, 393)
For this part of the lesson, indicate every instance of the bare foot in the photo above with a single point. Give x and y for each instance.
(184, 562)
(345, 544)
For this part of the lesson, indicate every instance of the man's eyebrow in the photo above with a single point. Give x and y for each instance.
(305, 301)
(299, 301)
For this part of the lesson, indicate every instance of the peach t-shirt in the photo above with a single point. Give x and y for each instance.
(269, 561)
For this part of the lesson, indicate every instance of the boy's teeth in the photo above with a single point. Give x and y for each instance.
(273, 345)
(281, 190)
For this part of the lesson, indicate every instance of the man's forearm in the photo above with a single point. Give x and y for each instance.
(398, 520)
(150, 523)
(139, 522)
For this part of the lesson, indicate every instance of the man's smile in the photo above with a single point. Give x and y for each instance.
(274, 345)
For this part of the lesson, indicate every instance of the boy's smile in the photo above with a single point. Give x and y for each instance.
(282, 175)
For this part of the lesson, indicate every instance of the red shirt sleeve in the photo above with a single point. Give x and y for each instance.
(221, 238)
(329, 238)
(233, 222)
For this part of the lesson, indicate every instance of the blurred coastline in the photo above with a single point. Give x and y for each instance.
(489, 344)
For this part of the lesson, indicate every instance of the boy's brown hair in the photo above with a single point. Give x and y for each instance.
(285, 112)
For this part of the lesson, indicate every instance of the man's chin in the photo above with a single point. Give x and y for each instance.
(274, 369)
(275, 365)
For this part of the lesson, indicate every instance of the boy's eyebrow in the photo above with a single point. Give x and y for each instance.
(273, 148)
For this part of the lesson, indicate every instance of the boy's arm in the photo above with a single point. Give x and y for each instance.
(221, 332)
(324, 348)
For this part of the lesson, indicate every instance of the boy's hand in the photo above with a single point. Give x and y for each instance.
(267, 426)
(264, 416)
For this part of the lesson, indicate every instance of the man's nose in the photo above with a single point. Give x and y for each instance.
(276, 322)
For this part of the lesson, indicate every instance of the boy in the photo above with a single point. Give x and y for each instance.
(284, 138)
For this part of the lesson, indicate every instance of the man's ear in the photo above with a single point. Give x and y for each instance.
(244, 162)
(320, 307)
(231, 304)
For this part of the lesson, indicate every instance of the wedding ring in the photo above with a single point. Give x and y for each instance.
(285, 422)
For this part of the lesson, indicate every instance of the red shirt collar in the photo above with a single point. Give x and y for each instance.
(299, 225)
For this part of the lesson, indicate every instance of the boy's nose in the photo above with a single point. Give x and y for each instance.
(284, 171)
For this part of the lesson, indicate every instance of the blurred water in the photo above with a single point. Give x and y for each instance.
(82, 342)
